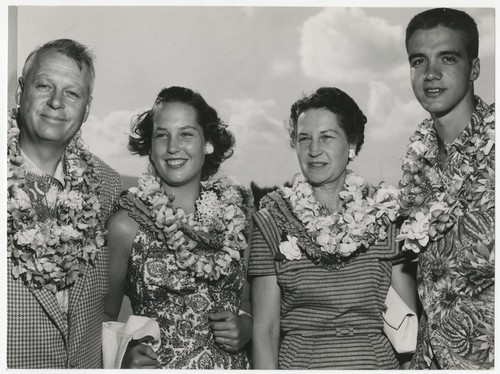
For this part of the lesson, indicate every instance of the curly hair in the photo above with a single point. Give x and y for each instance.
(214, 130)
(352, 119)
(452, 19)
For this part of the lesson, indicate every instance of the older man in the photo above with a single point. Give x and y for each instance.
(59, 196)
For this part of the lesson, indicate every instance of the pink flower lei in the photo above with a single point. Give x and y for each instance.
(52, 253)
(218, 223)
(366, 214)
(433, 200)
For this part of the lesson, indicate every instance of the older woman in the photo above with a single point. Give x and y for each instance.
(177, 245)
(320, 262)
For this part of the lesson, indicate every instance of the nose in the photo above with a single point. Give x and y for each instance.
(56, 100)
(433, 71)
(314, 148)
(173, 145)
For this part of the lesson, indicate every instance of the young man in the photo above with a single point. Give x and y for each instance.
(448, 194)
(59, 196)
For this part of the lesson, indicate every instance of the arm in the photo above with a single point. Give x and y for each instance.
(121, 233)
(231, 331)
(266, 297)
(403, 282)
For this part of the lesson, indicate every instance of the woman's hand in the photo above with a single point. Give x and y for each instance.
(231, 331)
(139, 355)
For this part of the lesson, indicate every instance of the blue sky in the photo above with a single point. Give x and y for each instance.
(250, 63)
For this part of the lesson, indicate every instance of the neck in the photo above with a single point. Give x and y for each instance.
(451, 124)
(328, 194)
(185, 196)
(43, 155)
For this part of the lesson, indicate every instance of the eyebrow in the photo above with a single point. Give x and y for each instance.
(187, 127)
(441, 53)
(322, 132)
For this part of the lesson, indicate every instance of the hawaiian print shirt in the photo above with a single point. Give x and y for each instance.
(456, 273)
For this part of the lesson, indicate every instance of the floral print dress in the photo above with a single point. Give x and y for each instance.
(180, 302)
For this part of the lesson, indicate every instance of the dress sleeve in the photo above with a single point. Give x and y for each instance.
(261, 261)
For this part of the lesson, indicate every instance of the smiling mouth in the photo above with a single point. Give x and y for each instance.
(316, 164)
(53, 118)
(433, 91)
(176, 163)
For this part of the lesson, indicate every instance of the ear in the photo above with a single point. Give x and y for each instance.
(19, 90)
(87, 109)
(476, 69)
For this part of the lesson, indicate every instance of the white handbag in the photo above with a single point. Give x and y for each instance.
(400, 323)
(117, 335)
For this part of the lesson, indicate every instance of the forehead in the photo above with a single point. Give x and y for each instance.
(318, 119)
(437, 39)
(53, 64)
(175, 113)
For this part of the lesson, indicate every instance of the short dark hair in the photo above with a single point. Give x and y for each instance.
(81, 54)
(214, 130)
(352, 119)
(451, 18)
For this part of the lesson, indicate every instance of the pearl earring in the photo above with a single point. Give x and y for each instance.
(352, 154)
(209, 148)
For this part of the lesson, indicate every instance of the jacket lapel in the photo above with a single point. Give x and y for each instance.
(48, 301)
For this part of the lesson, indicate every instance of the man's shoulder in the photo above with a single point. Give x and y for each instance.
(104, 170)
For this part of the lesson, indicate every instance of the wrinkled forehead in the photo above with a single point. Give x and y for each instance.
(52, 62)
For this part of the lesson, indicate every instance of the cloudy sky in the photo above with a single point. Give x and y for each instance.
(250, 63)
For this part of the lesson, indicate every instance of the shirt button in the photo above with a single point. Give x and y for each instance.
(434, 326)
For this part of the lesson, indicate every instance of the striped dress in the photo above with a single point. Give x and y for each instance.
(330, 319)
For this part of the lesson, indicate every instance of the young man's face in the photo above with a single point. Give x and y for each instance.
(441, 73)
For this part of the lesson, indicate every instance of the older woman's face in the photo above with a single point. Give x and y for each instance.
(322, 147)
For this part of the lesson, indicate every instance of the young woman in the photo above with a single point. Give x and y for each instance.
(177, 245)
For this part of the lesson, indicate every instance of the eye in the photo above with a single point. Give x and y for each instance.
(160, 135)
(73, 94)
(449, 59)
(327, 136)
(302, 139)
(42, 87)
(186, 134)
(416, 62)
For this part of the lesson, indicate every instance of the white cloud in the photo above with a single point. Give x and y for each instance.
(346, 45)
(262, 153)
(108, 138)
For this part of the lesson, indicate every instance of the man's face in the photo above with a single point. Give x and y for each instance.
(441, 73)
(54, 99)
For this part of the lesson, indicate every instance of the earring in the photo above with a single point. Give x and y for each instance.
(352, 154)
(209, 148)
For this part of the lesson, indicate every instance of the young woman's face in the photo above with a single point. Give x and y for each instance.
(178, 144)
(322, 147)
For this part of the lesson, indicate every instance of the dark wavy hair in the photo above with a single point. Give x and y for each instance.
(214, 130)
(352, 119)
(451, 18)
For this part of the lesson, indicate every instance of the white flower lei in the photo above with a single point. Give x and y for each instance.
(432, 200)
(366, 214)
(219, 217)
(52, 253)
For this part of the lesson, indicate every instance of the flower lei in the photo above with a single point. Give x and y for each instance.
(432, 199)
(218, 223)
(366, 214)
(52, 253)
